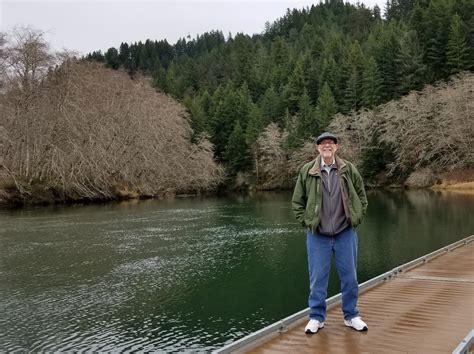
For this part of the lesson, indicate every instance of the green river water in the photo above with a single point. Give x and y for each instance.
(190, 274)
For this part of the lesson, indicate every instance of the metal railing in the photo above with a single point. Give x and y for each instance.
(465, 345)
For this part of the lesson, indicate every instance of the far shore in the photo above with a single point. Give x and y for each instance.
(15, 200)
(463, 186)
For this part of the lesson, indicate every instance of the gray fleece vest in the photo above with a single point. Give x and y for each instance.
(333, 218)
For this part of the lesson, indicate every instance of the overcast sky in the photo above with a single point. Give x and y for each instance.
(86, 26)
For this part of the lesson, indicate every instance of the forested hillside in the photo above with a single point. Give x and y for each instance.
(302, 70)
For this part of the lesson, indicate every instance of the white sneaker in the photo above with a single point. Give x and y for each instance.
(356, 323)
(313, 326)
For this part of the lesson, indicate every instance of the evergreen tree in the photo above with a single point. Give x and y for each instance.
(237, 153)
(353, 92)
(386, 55)
(377, 13)
(326, 107)
(438, 21)
(200, 109)
(334, 45)
(314, 67)
(296, 85)
(258, 82)
(224, 115)
(457, 54)
(96, 56)
(410, 64)
(205, 101)
(142, 58)
(255, 125)
(198, 118)
(159, 78)
(307, 124)
(133, 66)
(352, 78)
(124, 55)
(388, 13)
(216, 99)
(271, 106)
(244, 105)
(112, 59)
(317, 47)
(229, 106)
(371, 83)
(279, 58)
(242, 59)
(171, 81)
(189, 75)
(417, 21)
(399, 10)
(165, 52)
(329, 74)
(306, 35)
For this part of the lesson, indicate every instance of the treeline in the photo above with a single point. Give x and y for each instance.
(73, 130)
(303, 69)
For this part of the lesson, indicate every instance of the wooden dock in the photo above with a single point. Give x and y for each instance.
(424, 306)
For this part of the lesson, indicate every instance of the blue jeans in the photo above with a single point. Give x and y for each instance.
(320, 249)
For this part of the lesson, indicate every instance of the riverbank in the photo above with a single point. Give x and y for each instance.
(458, 180)
(465, 186)
(13, 195)
(37, 195)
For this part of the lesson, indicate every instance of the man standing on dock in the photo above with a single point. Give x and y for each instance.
(330, 201)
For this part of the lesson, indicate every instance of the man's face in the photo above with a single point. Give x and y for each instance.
(327, 149)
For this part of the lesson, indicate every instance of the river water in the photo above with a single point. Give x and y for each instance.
(189, 274)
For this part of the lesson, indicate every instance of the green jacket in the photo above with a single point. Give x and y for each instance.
(307, 197)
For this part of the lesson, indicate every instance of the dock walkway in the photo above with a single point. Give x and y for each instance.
(424, 306)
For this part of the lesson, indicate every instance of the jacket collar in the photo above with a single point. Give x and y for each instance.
(316, 169)
(340, 163)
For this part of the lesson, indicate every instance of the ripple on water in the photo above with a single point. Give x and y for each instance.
(146, 272)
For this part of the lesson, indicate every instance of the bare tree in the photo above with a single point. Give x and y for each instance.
(28, 56)
(301, 156)
(25, 58)
(95, 133)
(272, 158)
(433, 128)
(3, 57)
